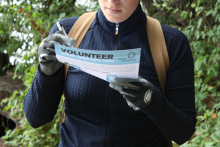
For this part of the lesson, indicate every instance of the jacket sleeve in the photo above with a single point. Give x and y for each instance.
(174, 113)
(42, 100)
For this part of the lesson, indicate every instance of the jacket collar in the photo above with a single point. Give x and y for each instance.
(126, 27)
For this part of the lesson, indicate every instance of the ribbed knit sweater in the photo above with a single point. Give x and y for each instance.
(98, 116)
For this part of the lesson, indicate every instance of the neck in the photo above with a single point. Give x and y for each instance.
(126, 26)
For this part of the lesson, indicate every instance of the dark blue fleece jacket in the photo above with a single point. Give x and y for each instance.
(98, 116)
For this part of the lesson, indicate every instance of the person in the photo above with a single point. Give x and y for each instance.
(99, 114)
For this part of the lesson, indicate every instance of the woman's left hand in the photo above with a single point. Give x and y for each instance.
(139, 93)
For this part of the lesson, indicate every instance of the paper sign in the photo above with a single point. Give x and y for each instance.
(106, 65)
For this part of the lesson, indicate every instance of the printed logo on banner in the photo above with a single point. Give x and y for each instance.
(131, 55)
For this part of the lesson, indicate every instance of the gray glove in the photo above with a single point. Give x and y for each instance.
(139, 93)
(46, 54)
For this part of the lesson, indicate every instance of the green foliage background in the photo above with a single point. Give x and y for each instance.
(32, 21)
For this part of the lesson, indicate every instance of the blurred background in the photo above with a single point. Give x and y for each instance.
(25, 23)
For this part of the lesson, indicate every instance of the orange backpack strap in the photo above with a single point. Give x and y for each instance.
(159, 52)
(78, 32)
(158, 49)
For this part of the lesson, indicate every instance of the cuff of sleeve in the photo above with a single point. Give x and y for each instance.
(157, 96)
(53, 75)
(50, 82)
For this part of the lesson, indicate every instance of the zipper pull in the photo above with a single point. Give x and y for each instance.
(116, 31)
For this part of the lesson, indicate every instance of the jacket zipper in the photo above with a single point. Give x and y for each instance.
(116, 33)
(110, 104)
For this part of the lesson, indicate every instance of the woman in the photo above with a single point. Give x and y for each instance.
(97, 114)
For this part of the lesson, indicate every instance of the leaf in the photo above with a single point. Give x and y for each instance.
(217, 99)
(1, 31)
(199, 23)
(14, 6)
(25, 22)
(213, 12)
(217, 19)
(176, 10)
(198, 10)
(190, 14)
(215, 137)
(62, 15)
(29, 8)
(202, 107)
(193, 5)
(202, 96)
(197, 140)
(197, 35)
(210, 143)
(7, 108)
(54, 131)
(34, 14)
(217, 106)
(184, 14)
(210, 33)
(218, 131)
(197, 65)
(207, 79)
(213, 90)
(198, 2)
(39, 21)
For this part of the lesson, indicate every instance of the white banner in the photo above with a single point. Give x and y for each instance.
(106, 65)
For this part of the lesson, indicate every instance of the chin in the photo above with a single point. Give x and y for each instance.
(114, 20)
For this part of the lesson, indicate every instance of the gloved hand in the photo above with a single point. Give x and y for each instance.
(139, 93)
(46, 54)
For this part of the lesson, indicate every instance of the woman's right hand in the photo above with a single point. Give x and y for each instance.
(46, 53)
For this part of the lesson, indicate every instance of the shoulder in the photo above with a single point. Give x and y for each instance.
(175, 39)
(67, 24)
(172, 35)
(177, 44)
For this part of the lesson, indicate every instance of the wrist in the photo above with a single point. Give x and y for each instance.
(149, 96)
(49, 73)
